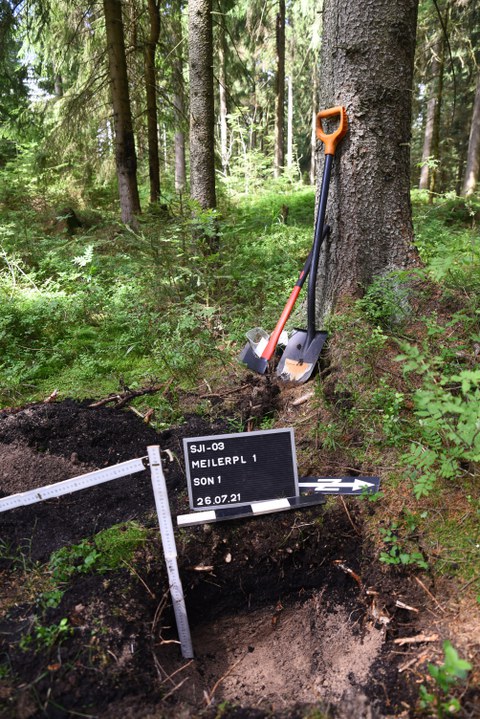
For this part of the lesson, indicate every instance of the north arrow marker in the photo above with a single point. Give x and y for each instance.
(342, 485)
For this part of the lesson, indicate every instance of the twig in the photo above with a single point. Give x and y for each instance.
(349, 571)
(471, 581)
(415, 660)
(356, 530)
(402, 605)
(134, 571)
(180, 669)
(418, 639)
(225, 393)
(159, 610)
(174, 689)
(209, 694)
(427, 591)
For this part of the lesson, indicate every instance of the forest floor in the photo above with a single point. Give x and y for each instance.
(292, 614)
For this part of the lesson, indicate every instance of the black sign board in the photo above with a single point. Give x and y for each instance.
(236, 469)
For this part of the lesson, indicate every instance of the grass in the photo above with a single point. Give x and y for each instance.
(108, 306)
(91, 313)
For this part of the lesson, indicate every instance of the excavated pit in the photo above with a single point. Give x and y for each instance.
(287, 611)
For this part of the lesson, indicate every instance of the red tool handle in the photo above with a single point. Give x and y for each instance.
(275, 336)
(331, 140)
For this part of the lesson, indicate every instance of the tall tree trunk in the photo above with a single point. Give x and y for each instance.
(290, 123)
(151, 92)
(431, 117)
(280, 91)
(125, 156)
(367, 66)
(202, 153)
(179, 101)
(431, 143)
(222, 96)
(473, 156)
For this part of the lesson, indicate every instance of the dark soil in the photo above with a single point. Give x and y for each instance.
(289, 612)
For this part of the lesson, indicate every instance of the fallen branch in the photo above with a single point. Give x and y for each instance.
(123, 398)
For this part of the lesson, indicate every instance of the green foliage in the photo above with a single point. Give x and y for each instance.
(396, 553)
(385, 302)
(108, 550)
(447, 239)
(390, 403)
(46, 636)
(447, 406)
(446, 677)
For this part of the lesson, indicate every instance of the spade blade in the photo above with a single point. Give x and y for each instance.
(300, 356)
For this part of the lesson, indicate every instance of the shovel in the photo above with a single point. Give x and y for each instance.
(303, 349)
(260, 348)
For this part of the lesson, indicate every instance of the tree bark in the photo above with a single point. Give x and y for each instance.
(202, 153)
(473, 156)
(280, 91)
(151, 93)
(431, 118)
(431, 143)
(179, 104)
(290, 123)
(125, 155)
(222, 96)
(367, 66)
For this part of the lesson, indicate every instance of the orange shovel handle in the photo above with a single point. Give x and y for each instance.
(332, 139)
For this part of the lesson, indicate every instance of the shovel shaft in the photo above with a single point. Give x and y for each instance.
(317, 243)
(275, 336)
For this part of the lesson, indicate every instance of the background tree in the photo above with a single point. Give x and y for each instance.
(367, 65)
(435, 68)
(473, 156)
(178, 86)
(202, 152)
(222, 89)
(125, 155)
(13, 83)
(151, 94)
(280, 91)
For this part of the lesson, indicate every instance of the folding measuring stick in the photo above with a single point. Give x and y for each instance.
(164, 520)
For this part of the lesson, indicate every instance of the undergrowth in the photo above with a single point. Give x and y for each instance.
(91, 310)
(409, 389)
(105, 307)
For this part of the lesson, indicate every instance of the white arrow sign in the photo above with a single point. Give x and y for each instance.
(342, 485)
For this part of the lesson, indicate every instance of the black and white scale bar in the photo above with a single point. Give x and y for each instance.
(249, 510)
(340, 485)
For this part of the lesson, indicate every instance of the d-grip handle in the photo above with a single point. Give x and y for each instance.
(332, 139)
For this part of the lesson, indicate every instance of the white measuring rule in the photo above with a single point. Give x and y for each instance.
(170, 550)
(159, 487)
(84, 481)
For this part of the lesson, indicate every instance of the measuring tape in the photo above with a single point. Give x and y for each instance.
(72, 485)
